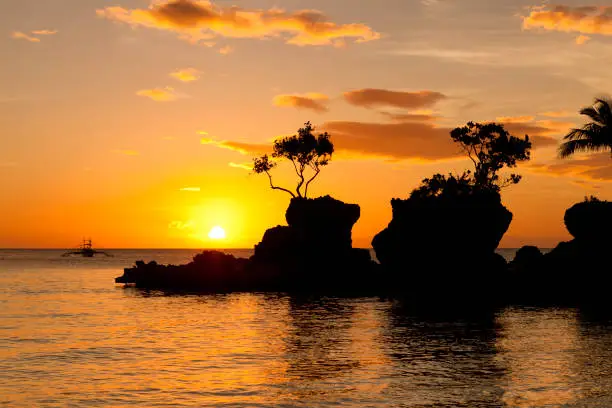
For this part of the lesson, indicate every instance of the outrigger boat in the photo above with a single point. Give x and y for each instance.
(86, 250)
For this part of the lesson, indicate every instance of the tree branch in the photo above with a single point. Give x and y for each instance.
(273, 187)
(310, 181)
(301, 182)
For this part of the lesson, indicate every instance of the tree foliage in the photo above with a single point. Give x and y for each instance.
(490, 148)
(440, 186)
(595, 136)
(306, 152)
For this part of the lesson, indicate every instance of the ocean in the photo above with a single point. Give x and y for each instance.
(70, 337)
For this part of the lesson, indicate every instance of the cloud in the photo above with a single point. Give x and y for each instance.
(181, 225)
(240, 147)
(417, 140)
(227, 50)
(159, 94)
(369, 98)
(44, 32)
(515, 119)
(584, 20)
(314, 101)
(407, 140)
(18, 35)
(197, 20)
(127, 152)
(186, 74)
(191, 189)
(557, 114)
(593, 167)
(582, 39)
(410, 117)
(244, 166)
(541, 132)
(399, 140)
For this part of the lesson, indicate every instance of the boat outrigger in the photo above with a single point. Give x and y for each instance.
(86, 250)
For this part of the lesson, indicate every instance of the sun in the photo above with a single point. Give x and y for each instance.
(216, 233)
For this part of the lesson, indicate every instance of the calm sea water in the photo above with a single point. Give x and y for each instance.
(70, 337)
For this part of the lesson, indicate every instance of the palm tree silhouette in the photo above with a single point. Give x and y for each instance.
(594, 136)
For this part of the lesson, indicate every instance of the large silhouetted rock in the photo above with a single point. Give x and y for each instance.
(577, 272)
(319, 229)
(590, 220)
(444, 245)
(315, 249)
(580, 270)
(324, 222)
(439, 230)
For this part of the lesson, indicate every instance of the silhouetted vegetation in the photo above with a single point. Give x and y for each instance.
(490, 147)
(441, 241)
(306, 152)
(594, 136)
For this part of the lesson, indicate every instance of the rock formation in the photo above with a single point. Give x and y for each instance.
(444, 244)
(574, 272)
(313, 253)
(315, 249)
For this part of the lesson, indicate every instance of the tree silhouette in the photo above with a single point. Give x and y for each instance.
(306, 152)
(490, 147)
(594, 136)
(439, 186)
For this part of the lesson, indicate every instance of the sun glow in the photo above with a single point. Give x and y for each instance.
(216, 233)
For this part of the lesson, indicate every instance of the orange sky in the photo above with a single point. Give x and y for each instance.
(129, 122)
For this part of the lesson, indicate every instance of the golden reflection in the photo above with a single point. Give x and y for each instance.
(537, 348)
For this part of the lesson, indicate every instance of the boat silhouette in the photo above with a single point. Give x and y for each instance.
(86, 250)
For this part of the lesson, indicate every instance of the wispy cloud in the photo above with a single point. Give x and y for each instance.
(591, 167)
(240, 147)
(166, 94)
(227, 50)
(582, 39)
(515, 119)
(197, 20)
(44, 32)
(313, 101)
(18, 35)
(243, 166)
(557, 114)
(32, 36)
(182, 225)
(190, 189)
(186, 74)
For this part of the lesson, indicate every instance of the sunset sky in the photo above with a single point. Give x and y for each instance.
(131, 122)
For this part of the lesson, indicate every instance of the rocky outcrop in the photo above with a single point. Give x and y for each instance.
(209, 271)
(590, 221)
(315, 249)
(444, 244)
(319, 229)
(576, 272)
(313, 253)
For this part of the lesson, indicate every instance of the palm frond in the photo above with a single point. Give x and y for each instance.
(578, 134)
(593, 113)
(580, 145)
(605, 110)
